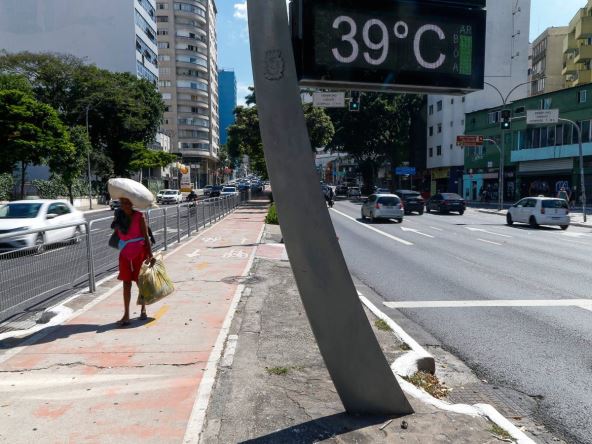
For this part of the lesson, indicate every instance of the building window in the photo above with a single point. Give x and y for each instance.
(164, 45)
(431, 110)
(190, 8)
(450, 146)
(164, 58)
(439, 105)
(439, 150)
(431, 130)
(145, 26)
(167, 96)
(546, 103)
(163, 31)
(431, 152)
(193, 85)
(463, 99)
(162, 6)
(162, 19)
(582, 96)
(164, 71)
(452, 101)
(451, 124)
(462, 122)
(439, 128)
(164, 83)
(494, 117)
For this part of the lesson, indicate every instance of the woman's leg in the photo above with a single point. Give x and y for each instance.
(127, 296)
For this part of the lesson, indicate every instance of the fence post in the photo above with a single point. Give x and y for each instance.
(165, 229)
(189, 219)
(196, 216)
(203, 212)
(178, 223)
(90, 258)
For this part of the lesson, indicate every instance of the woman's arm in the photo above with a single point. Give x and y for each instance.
(147, 244)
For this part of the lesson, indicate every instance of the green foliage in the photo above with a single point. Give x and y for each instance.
(15, 82)
(72, 163)
(6, 186)
(56, 188)
(143, 157)
(319, 125)
(272, 216)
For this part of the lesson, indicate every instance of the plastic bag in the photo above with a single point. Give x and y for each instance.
(140, 196)
(154, 282)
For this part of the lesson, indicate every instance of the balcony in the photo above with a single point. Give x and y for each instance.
(569, 67)
(584, 54)
(570, 44)
(584, 28)
(584, 77)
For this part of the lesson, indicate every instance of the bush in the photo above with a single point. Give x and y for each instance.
(55, 188)
(272, 216)
(6, 184)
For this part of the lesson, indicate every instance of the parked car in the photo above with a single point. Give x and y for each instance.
(207, 190)
(412, 201)
(35, 214)
(160, 194)
(171, 197)
(341, 190)
(216, 190)
(383, 206)
(114, 204)
(446, 202)
(229, 191)
(354, 192)
(540, 211)
(256, 187)
(244, 186)
(382, 191)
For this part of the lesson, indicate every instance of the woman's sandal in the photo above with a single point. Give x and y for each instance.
(143, 316)
(123, 323)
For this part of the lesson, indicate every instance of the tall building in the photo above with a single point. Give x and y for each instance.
(547, 61)
(188, 80)
(117, 35)
(227, 94)
(506, 66)
(577, 48)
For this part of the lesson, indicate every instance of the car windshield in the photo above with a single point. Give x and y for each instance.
(388, 201)
(451, 196)
(408, 195)
(229, 189)
(170, 193)
(20, 211)
(555, 203)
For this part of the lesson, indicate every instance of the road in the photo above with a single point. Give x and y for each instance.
(512, 302)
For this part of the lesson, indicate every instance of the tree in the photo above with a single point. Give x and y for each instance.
(30, 132)
(15, 82)
(143, 158)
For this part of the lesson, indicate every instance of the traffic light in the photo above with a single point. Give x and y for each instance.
(506, 122)
(354, 101)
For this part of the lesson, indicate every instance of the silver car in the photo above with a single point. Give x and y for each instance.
(383, 206)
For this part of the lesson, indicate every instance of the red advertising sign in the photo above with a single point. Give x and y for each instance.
(469, 140)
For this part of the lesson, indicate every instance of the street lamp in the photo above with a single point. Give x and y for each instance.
(503, 147)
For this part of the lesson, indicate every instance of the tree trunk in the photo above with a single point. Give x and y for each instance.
(23, 178)
(70, 195)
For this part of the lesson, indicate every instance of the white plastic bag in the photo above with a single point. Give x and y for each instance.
(140, 196)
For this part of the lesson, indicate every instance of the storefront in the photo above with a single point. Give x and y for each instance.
(440, 180)
(545, 177)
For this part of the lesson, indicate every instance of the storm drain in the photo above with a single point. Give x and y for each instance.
(508, 402)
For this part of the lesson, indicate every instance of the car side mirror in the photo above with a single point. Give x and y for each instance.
(51, 216)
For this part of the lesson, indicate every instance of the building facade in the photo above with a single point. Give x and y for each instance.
(227, 94)
(117, 35)
(577, 48)
(506, 66)
(188, 81)
(547, 61)
(539, 159)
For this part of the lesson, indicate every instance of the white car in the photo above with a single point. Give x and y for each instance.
(25, 215)
(160, 194)
(229, 191)
(540, 211)
(383, 206)
(354, 192)
(171, 197)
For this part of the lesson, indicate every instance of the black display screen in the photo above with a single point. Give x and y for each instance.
(389, 44)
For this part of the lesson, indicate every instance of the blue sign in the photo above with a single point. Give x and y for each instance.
(405, 171)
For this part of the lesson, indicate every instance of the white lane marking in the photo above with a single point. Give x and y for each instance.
(194, 254)
(576, 234)
(229, 351)
(489, 242)
(233, 253)
(437, 229)
(413, 230)
(481, 230)
(404, 242)
(582, 303)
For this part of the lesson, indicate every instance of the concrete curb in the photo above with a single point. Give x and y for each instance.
(573, 224)
(418, 359)
(107, 208)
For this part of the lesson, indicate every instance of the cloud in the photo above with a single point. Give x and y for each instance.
(242, 90)
(240, 10)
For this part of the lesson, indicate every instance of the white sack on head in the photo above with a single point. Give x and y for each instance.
(140, 196)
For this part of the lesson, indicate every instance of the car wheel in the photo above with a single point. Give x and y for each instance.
(564, 227)
(372, 218)
(40, 243)
(420, 212)
(533, 222)
(461, 212)
(400, 220)
(509, 219)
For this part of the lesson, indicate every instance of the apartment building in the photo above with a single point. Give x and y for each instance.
(577, 49)
(506, 67)
(547, 61)
(188, 81)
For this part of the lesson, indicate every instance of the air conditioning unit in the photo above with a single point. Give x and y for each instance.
(570, 77)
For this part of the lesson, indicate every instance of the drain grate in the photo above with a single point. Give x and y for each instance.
(508, 402)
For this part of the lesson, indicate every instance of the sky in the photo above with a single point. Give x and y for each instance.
(233, 38)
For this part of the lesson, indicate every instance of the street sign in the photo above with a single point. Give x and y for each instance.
(542, 116)
(329, 99)
(390, 45)
(405, 171)
(469, 140)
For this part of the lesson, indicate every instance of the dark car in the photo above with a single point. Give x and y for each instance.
(412, 201)
(216, 190)
(446, 202)
(341, 190)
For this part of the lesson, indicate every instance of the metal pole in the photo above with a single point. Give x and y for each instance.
(362, 376)
(501, 181)
(581, 154)
(203, 211)
(501, 172)
(88, 162)
(90, 257)
(196, 216)
(165, 229)
(189, 220)
(178, 223)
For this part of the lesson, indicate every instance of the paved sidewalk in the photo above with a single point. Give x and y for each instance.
(88, 381)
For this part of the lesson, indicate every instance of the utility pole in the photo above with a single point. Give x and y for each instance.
(581, 155)
(88, 161)
(501, 172)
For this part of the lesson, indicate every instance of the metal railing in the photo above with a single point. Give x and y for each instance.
(42, 268)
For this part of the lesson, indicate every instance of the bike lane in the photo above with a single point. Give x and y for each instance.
(89, 381)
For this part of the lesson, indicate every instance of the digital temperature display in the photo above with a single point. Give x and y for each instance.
(424, 46)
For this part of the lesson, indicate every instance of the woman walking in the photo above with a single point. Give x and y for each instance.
(134, 249)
